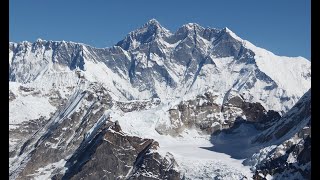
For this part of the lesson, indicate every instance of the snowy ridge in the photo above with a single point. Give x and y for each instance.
(280, 67)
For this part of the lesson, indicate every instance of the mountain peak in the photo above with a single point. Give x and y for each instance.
(147, 33)
(192, 25)
(227, 29)
(153, 22)
(39, 40)
(231, 33)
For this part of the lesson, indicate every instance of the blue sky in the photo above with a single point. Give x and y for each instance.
(281, 26)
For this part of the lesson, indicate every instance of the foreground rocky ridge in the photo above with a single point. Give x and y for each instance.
(79, 136)
(116, 155)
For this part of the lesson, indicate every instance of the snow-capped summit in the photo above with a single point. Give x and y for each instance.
(39, 40)
(149, 32)
(152, 25)
(153, 22)
(192, 26)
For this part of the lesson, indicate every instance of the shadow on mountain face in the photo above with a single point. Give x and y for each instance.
(236, 141)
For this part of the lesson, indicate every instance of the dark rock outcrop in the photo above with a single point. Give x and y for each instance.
(294, 131)
(280, 168)
(120, 156)
(206, 115)
(11, 96)
(137, 105)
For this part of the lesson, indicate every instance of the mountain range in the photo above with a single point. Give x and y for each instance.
(158, 105)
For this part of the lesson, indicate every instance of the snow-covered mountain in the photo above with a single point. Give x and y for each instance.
(153, 62)
(171, 87)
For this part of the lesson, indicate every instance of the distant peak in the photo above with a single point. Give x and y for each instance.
(39, 40)
(150, 31)
(153, 21)
(190, 28)
(152, 26)
(245, 43)
(227, 30)
(192, 24)
(25, 42)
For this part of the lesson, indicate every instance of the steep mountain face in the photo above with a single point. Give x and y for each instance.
(187, 84)
(291, 159)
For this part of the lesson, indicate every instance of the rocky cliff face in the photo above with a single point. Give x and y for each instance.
(209, 117)
(294, 163)
(116, 155)
(291, 157)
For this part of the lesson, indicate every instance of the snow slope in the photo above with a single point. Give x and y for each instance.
(281, 67)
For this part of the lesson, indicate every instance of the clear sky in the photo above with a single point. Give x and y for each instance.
(281, 26)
